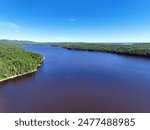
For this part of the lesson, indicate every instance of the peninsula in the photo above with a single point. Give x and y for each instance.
(15, 61)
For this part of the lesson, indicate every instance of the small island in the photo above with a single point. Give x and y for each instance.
(15, 61)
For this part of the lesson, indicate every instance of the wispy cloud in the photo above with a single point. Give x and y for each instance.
(61, 39)
(64, 38)
(9, 27)
(72, 19)
(50, 32)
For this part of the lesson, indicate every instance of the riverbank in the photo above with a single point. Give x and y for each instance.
(15, 76)
(16, 61)
(139, 49)
(86, 76)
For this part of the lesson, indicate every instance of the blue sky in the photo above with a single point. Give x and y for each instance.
(75, 20)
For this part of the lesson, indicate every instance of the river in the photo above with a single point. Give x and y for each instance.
(80, 81)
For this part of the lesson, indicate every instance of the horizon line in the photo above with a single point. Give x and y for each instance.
(65, 41)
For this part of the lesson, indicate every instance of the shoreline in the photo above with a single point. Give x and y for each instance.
(102, 51)
(118, 53)
(19, 75)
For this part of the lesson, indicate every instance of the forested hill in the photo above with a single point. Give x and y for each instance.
(15, 60)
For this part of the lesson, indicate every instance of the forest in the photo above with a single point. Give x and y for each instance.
(15, 60)
(136, 49)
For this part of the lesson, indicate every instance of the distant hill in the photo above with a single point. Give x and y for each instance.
(20, 42)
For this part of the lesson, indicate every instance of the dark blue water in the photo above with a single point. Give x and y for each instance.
(80, 81)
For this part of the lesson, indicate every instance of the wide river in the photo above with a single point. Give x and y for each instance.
(80, 81)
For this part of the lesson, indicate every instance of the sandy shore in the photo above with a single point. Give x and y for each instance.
(12, 77)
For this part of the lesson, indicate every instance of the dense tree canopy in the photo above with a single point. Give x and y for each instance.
(15, 60)
(133, 49)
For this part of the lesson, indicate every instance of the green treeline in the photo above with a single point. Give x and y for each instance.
(15, 60)
(132, 49)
